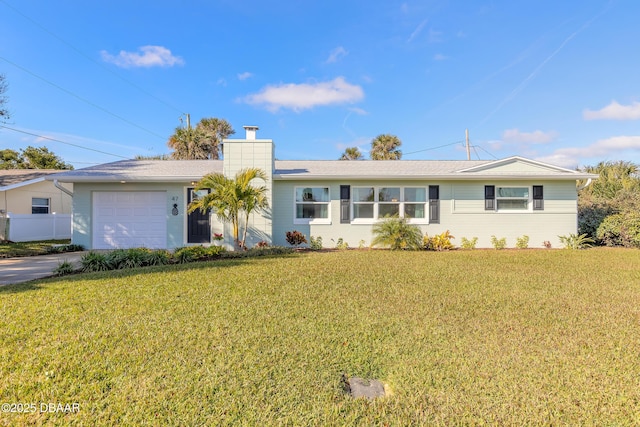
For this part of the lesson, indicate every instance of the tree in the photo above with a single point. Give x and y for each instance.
(42, 158)
(4, 113)
(385, 147)
(233, 199)
(202, 142)
(351, 153)
(32, 158)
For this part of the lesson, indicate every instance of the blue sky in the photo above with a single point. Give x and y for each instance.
(556, 81)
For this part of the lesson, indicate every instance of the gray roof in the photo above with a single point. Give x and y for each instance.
(17, 176)
(193, 170)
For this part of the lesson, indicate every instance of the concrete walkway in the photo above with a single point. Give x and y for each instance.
(24, 269)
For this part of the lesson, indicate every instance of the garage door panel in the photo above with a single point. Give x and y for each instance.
(129, 219)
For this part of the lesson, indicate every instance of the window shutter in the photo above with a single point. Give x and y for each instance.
(434, 204)
(345, 204)
(489, 197)
(538, 198)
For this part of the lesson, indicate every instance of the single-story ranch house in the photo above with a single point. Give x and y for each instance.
(134, 203)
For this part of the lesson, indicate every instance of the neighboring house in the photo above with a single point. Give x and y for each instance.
(26, 192)
(143, 202)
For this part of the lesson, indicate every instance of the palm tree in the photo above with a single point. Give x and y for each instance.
(351, 153)
(230, 198)
(202, 142)
(385, 147)
(396, 233)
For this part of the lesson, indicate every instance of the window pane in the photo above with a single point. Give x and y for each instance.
(39, 201)
(311, 211)
(512, 204)
(39, 210)
(363, 210)
(414, 210)
(391, 209)
(315, 194)
(415, 195)
(363, 195)
(513, 192)
(389, 195)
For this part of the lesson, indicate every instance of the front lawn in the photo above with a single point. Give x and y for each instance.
(18, 249)
(517, 337)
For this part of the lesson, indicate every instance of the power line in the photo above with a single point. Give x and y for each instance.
(91, 59)
(82, 99)
(63, 142)
(433, 148)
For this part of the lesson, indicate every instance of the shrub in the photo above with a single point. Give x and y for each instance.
(159, 257)
(361, 244)
(255, 252)
(315, 243)
(295, 238)
(574, 241)
(439, 242)
(262, 244)
(546, 244)
(116, 259)
(468, 244)
(94, 261)
(621, 229)
(341, 244)
(498, 243)
(522, 242)
(396, 233)
(63, 268)
(197, 253)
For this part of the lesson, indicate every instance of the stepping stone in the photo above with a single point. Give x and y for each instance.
(360, 387)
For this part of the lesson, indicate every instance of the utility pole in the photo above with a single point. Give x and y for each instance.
(188, 121)
(466, 133)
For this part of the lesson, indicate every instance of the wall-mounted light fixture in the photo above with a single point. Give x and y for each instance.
(174, 211)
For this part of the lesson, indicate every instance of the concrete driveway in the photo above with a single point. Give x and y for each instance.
(24, 269)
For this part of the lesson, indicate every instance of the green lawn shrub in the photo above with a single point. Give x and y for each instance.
(575, 241)
(522, 242)
(468, 244)
(498, 243)
(295, 238)
(621, 229)
(395, 233)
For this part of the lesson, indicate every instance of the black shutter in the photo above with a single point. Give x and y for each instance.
(489, 197)
(538, 198)
(345, 204)
(434, 204)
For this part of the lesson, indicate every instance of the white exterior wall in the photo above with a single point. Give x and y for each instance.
(461, 212)
(255, 153)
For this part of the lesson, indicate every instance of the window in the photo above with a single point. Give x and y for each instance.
(39, 205)
(512, 198)
(371, 203)
(312, 204)
(538, 198)
(363, 201)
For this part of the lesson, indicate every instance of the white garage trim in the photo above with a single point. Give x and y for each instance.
(129, 219)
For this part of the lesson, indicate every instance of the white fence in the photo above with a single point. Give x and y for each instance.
(26, 228)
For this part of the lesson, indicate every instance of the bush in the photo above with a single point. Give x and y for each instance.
(159, 257)
(621, 229)
(341, 244)
(522, 242)
(498, 243)
(94, 261)
(396, 233)
(256, 252)
(439, 242)
(197, 253)
(591, 215)
(468, 244)
(315, 243)
(63, 268)
(295, 238)
(574, 241)
(262, 244)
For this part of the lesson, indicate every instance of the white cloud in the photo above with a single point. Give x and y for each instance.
(435, 36)
(440, 57)
(303, 96)
(614, 111)
(336, 54)
(417, 31)
(221, 82)
(604, 149)
(535, 137)
(358, 111)
(147, 56)
(245, 75)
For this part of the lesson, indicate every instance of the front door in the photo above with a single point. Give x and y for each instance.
(198, 223)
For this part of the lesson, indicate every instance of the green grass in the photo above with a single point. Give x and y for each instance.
(17, 249)
(538, 337)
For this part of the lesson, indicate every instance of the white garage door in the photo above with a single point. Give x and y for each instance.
(129, 219)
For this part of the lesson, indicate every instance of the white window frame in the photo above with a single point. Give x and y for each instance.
(528, 199)
(48, 206)
(376, 204)
(304, 221)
